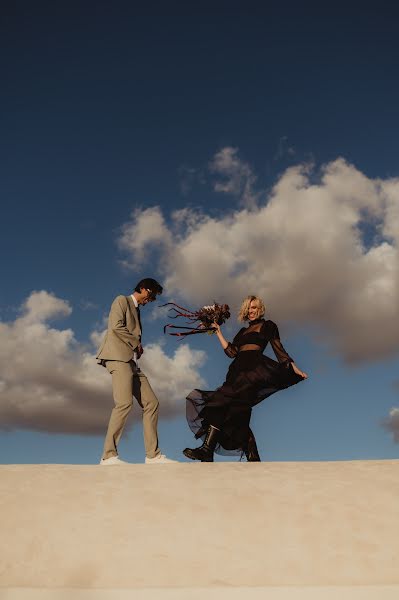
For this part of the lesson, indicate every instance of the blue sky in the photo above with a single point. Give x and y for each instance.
(223, 150)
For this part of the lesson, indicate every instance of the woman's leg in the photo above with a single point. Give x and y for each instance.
(205, 452)
(219, 417)
(251, 449)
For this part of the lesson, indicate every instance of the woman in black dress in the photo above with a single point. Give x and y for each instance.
(221, 417)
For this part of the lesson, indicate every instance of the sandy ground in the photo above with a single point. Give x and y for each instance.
(240, 593)
(330, 528)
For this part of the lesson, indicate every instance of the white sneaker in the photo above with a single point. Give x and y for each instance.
(112, 460)
(160, 459)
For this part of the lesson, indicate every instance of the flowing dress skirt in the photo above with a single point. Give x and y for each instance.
(251, 378)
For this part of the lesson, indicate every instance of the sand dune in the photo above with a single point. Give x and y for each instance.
(292, 529)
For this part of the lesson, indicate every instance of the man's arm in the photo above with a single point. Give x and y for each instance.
(117, 322)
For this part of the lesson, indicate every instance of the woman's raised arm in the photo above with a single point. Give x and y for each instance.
(224, 343)
(229, 349)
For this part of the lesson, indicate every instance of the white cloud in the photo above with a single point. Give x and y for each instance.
(147, 228)
(390, 227)
(284, 148)
(392, 423)
(189, 177)
(238, 178)
(87, 305)
(42, 306)
(50, 382)
(173, 377)
(303, 250)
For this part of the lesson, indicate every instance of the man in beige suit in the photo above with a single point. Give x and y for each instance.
(119, 353)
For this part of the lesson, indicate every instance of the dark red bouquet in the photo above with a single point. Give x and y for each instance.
(201, 320)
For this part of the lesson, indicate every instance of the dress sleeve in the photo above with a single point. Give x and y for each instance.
(231, 350)
(278, 348)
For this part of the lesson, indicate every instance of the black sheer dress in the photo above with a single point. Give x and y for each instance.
(251, 377)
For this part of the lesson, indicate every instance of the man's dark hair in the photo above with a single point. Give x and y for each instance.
(149, 284)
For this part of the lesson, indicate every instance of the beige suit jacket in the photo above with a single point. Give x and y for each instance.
(123, 333)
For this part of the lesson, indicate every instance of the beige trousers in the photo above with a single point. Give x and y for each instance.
(128, 381)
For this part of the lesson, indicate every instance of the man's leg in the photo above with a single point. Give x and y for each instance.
(122, 387)
(150, 405)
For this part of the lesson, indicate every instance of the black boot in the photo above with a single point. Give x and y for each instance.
(251, 451)
(205, 452)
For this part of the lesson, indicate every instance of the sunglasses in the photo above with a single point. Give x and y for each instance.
(151, 294)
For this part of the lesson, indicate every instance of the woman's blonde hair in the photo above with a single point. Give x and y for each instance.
(244, 309)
